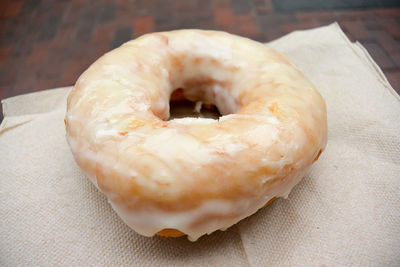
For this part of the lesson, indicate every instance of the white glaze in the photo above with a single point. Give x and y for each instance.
(149, 168)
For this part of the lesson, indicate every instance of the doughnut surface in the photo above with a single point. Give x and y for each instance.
(194, 175)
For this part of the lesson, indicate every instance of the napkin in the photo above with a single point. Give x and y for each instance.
(346, 210)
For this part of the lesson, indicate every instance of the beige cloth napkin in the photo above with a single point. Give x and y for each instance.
(346, 211)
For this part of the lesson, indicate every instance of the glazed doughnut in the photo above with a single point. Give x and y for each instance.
(193, 176)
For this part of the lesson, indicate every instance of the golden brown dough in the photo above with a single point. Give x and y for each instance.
(194, 175)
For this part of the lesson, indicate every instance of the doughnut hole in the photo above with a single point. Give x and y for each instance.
(181, 107)
(204, 87)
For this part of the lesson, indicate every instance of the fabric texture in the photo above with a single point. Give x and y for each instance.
(346, 211)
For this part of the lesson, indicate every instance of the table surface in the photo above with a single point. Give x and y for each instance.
(47, 44)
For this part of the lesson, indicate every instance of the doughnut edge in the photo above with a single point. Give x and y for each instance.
(165, 233)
